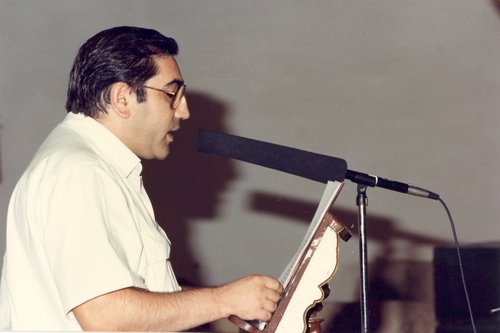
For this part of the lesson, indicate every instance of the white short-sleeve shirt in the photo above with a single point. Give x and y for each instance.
(79, 225)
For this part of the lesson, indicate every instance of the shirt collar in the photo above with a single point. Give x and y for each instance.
(107, 143)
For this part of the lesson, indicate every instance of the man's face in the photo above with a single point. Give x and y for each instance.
(154, 121)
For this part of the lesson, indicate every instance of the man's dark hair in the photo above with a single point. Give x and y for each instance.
(121, 54)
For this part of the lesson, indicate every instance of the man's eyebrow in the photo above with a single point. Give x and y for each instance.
(177, 82)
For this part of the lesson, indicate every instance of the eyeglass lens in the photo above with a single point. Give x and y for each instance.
(178, 96)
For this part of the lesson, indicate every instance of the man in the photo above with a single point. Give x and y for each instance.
(84, 251)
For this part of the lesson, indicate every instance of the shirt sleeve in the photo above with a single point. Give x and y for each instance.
(85, 256)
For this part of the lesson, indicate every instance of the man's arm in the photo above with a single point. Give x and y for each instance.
(132, 309)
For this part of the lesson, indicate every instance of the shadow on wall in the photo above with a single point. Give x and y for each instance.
(496, 4)
(186, 185)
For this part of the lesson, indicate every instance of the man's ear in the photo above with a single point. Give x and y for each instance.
(119, 99)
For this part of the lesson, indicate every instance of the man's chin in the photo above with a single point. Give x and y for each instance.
(161, 157)
(157, 155)
(164, 154)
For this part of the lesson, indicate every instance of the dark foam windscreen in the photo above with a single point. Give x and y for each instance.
(318, 167)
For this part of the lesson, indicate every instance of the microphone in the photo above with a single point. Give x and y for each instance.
(297, 162)
(314, 166)
(369, 180)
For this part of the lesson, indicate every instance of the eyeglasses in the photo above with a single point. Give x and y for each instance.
(176, 96)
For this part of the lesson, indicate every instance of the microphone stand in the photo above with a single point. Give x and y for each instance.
(363, 180)
(362, 202)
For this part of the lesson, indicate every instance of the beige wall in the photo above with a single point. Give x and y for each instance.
(403, 89)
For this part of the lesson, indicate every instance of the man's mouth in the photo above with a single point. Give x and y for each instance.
(170, 134)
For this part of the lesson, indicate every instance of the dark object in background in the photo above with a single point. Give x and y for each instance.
(481, 266)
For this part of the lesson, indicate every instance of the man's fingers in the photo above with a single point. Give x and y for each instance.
(273, 296)
(274, 284)
(270, 306)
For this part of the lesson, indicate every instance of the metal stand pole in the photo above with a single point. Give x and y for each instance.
(362, 202)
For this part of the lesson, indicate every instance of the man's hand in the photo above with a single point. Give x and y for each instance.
(251, 297)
